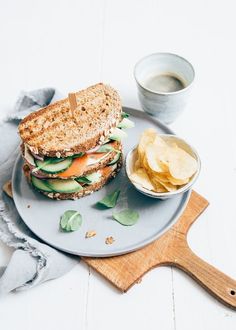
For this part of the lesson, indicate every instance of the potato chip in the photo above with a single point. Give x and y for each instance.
(148, 136)
(158, 186)
(167, 185)
(177, 182)
(161, 166)
(181, 165)
(141, 177)
(154, 161)
(162, 177)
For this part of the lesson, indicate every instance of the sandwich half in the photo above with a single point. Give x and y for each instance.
(60, 131)
(73, 147)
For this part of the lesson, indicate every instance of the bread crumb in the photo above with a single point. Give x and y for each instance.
(7, 188)
(139, 280)
(109, 240)
(90, 233)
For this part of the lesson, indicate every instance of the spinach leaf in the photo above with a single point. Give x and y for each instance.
(126, 217)
(80, 154)
(124, 115)
(70, 220)
(110, 200)
(105, 148)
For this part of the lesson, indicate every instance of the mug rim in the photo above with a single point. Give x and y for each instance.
(159, 92)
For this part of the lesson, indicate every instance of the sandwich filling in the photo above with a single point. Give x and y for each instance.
(73, 188)
(75, 165)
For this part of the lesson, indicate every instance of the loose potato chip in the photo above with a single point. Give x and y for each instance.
(141, 177)
(181, 164)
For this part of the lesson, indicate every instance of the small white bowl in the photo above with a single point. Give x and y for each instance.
(132, 156)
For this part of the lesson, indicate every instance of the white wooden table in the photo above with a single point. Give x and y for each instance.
(72, 44)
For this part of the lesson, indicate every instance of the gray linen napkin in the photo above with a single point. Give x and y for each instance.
(32, 261)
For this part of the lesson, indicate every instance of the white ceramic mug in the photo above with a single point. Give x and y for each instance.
(161, 97)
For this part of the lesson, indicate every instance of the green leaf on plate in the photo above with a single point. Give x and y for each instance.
(110, 200)
(126, 217)
(70, 221)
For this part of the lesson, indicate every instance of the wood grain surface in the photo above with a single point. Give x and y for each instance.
(170, 249)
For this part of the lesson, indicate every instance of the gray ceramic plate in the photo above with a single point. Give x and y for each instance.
(156, 216)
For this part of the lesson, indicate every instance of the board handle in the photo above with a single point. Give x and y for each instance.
(221, 286)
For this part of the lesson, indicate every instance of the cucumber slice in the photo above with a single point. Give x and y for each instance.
(117, 134)
(40, 184)
(126, 123)
(64, 186)
(90, 178)
(115, 160)
(54, 167)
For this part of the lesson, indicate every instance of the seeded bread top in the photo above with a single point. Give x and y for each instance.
(57, 131)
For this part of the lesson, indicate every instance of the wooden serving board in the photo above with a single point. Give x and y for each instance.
(170, 249)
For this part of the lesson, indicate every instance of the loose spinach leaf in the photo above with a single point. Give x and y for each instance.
(70, 221)
(110, 200)
(124, 115)
(126, 217)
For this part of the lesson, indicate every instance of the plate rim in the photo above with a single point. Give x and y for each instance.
(185, 198)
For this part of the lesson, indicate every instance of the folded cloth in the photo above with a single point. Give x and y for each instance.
(32, 262)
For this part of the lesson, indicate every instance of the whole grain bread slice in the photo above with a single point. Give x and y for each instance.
(87, 190)
(59, 131)
(89, 169)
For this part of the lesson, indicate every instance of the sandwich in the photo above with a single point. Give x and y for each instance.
(73, 147)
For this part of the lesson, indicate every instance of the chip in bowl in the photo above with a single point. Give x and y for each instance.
(161, 165)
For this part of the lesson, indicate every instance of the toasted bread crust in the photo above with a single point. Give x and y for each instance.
(56, 131)
(86, 191)
(90, 169)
